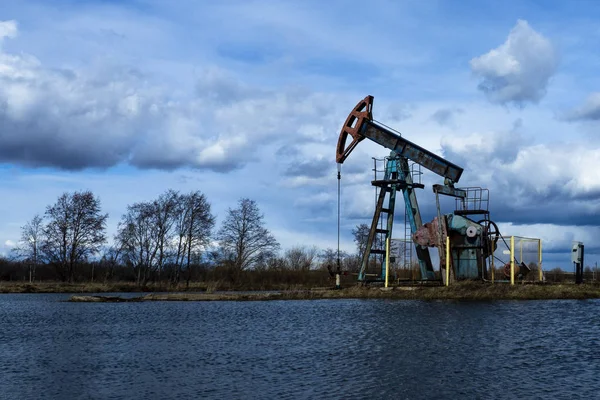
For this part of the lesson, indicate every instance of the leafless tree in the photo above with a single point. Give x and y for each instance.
(136, 236)
(165, 209)
(173, 229)
(329, 261)
(328, 257)
(274, 263)
(361, 236)
(111, 258)
(75, 231)
(243, 237)
(300, 258)
(195, 227)
(28, 248)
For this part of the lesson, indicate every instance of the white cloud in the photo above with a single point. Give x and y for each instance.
(105, 116)
(566, 167)
(8, 29)
(107, 98)
(519, 70)
(552, 183)
(9, 243)
(554, 238)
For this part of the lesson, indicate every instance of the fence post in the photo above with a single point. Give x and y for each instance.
(540, 260)
(493, 267)
(447, 260)
(387, 261)
(512, 260)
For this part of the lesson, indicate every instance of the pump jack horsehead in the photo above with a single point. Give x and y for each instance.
(473, 236)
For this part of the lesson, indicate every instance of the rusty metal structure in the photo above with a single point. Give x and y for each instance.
(473, 236)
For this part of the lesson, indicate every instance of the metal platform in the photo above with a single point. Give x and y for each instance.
(400, 184)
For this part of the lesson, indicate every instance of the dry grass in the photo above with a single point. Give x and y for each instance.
(114, 287)
(120, 287)
(461, 291)
(88, 287)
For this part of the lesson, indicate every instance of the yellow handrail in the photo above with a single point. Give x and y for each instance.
(387, 261)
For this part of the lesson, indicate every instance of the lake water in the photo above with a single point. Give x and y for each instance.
(338, 349)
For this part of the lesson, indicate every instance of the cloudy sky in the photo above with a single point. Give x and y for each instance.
(246, 99)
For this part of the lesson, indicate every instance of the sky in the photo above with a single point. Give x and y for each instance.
(245, 99)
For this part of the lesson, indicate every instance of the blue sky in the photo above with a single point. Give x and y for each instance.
(246, 99)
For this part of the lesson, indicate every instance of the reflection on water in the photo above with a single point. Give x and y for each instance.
(348, 349)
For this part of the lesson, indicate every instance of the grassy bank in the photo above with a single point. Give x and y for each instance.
(128, 287)
(84, 287)
(461, 291)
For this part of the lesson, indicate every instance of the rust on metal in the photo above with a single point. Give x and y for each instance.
(362, 112)
(391, 140)
(428, 235)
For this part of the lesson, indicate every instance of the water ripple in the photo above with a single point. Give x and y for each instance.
(330, 349)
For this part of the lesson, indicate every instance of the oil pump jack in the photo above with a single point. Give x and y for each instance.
(473, 236)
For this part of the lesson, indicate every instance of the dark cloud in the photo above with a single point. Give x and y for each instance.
(531, 183)
(315, 168)
(223, 88)
(289, 150)
(528, 183)
(399, 112)
(445, 116)
(561, 213)
(517, 124)
(354, 168)
(312, 210)
(589, 111)
(77, 119)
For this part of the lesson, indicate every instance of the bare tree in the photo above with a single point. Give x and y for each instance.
(173, 229)
(111, 258)
(274, 263)
(243, 236)
(28, 248)
(136, 236)
(165, 209)
(328, 258)
(75, 231)
(300, 258)
(361, 237)
(198, 223)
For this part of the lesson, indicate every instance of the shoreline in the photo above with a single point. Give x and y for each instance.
(214, 292)
(457, 292)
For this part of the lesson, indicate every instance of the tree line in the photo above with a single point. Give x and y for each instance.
(172, 238)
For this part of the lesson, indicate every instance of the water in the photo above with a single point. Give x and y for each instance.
(339, 349)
